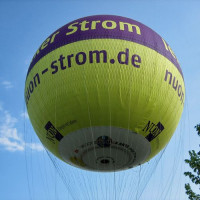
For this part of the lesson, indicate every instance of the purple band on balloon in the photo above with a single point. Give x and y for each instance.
(105, 26)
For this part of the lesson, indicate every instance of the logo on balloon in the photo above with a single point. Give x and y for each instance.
(153, 129)
(52, 133)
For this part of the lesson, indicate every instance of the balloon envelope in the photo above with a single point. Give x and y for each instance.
(104, 93)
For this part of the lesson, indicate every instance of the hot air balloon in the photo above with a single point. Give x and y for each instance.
(104, 93)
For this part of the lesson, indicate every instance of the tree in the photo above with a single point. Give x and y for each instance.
(194, 163)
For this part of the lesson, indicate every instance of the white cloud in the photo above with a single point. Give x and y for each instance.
(25, 115)
(7, 128)
(10, 139)
(11, 145)
(7, 84)
(35, 146)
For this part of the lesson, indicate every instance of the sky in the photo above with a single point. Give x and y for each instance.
(27, 171)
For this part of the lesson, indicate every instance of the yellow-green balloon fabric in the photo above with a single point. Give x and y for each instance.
(104, 93)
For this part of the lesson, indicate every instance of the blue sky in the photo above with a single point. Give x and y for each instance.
(26, 171)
